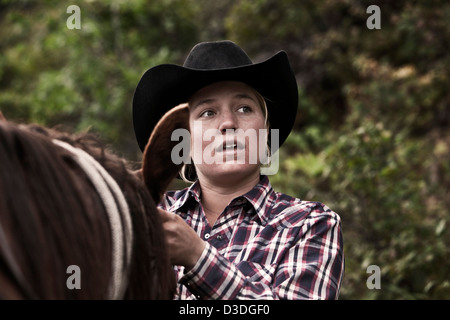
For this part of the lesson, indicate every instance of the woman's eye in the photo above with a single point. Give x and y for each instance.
(206, 114)
(245, 109)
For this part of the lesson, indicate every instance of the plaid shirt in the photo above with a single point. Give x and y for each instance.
(265, 245)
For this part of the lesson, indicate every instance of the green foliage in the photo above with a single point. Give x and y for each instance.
(85, 79)
(371, 139)
(377, 180)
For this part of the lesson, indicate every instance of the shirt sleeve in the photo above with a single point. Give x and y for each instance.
(311, 269)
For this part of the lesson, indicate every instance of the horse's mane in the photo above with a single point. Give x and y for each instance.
(51, 217)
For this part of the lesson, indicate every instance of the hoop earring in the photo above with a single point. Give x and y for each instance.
(268, 158)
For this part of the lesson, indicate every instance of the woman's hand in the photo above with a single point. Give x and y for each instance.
(185, 246)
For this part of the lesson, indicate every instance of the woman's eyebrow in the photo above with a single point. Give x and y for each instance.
(238, 96)
(204, 101)
(244, 96)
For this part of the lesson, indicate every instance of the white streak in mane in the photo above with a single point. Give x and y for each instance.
(121, 228)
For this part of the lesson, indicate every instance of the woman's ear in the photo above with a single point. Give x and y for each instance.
(158, 167)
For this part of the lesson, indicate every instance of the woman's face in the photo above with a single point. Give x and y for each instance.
(228, 130)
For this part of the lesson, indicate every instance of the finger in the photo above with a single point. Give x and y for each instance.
(165, 215)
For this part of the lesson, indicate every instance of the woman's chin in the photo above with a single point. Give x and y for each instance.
(230, 170)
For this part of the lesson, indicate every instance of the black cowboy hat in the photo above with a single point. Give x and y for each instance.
(166, 86)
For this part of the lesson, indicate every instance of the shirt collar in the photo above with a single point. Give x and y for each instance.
(261, 197)
(184, 197)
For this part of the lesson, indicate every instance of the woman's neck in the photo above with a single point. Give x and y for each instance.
(216, 196)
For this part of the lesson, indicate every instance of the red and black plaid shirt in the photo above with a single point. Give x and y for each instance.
(265, 245)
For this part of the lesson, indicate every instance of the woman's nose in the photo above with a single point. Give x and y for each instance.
(227, 121)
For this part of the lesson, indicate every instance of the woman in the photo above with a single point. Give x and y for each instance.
(230, 235)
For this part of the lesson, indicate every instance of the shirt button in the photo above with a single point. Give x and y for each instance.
(207, 236)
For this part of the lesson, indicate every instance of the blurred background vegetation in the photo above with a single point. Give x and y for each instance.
(371, 139)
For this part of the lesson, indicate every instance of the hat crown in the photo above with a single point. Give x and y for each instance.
(216, 55)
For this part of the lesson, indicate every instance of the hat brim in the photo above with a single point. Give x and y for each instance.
(165, 86)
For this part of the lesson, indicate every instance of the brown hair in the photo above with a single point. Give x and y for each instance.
(51, 217)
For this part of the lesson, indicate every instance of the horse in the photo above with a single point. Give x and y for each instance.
(76, 222)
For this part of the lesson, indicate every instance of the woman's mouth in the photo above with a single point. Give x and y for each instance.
(228, 146)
